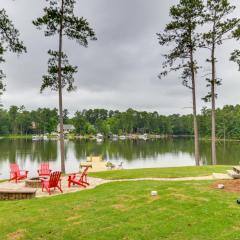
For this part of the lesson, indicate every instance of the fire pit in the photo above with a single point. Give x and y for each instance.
(34, 182)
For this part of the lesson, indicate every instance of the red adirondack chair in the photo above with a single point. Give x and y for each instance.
(44, 170)
(81, 181)
(17, 174)
(53, 182)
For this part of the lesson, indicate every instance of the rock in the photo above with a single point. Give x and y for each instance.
(220, 186)
(154, 193)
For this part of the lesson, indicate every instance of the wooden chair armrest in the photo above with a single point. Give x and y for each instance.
(44, 180)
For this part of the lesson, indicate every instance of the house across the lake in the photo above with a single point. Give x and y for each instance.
(67, 128)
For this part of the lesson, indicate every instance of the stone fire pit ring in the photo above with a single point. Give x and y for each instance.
(34, 182)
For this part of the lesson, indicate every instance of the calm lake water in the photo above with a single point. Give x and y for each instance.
(134, 154)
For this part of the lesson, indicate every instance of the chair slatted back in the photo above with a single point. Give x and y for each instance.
(54, 179)
(15, 169)
(84, 174)
(44, 168)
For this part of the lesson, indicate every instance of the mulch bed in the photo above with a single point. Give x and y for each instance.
(229, 185)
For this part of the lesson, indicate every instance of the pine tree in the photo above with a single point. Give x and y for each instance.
(181, 36)
(221, 27)
(59, 19)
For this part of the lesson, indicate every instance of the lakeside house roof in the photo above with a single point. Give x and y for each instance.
(67, 127)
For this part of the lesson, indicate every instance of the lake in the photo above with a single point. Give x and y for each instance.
(133, 153)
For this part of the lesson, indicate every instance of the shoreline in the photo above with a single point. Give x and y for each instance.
(128, 137)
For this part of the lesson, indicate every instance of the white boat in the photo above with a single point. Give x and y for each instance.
(45, 137)
(122, 137)
(99, 136)
(54, 136)
(36, 138)
(143, 137)
(114, 137)
(99, 140)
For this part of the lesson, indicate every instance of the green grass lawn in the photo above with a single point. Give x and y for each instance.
(173, 172)
(125, 210)
(14, 136)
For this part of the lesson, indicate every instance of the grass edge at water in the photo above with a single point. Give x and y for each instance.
(169, 172)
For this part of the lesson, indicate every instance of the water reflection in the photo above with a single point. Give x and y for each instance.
(134, 154)
(13, 150)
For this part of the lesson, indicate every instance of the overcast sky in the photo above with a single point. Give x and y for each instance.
(119, 70)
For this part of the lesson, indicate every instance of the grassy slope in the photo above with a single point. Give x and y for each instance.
(161, 172)
(11, 136)
(183, 211)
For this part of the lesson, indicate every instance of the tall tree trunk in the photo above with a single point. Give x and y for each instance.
(195, 123)
(60, 92)
(213, 81)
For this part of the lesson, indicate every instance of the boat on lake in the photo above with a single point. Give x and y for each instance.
(122, 137)
(37, 138)
(99, 137)
(114, 137)
(45, 137)
(143, 137)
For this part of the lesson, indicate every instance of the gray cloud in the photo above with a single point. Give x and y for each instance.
(116, 72)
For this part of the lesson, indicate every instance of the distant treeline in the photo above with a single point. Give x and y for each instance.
(17, 120)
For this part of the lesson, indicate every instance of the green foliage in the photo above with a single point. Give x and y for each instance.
(65, 116)
(9, 36)
(115, 122)
(82, 125)
(4, 122)
(220, 28)
(51, 80)
(45, 120)
(217, 15)
(59, 18)
(181, 35)
(74, 28)
(17, 120)
(235, 57)
(9, 41)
